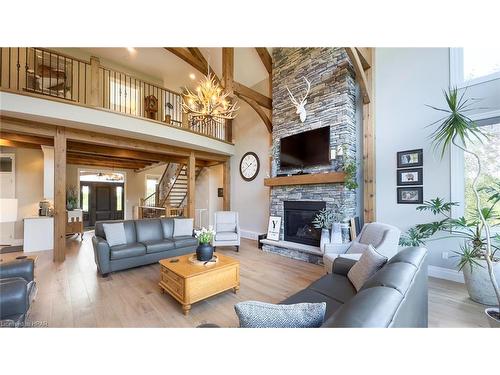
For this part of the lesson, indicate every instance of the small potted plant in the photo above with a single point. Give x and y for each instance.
(205, 250)
(323, 220)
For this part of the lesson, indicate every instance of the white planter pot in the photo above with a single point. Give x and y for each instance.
(336, 234)
(478, 283)
(494, 323)
(325, 239)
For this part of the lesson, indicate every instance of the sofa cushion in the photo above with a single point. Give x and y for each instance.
(312, 296)
(183, 227)
(369, 263)
(168, 227)
(370, 308)
(127, 251)
(149, 230)
(185, 241)
(334, 286)
(115, 233)
(129, 226)
(226, 236)
(253, 314)
(157, 246)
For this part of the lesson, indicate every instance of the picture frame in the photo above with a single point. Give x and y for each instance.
(410, 158)
(410, 176)
(410, 195)
(273, 228)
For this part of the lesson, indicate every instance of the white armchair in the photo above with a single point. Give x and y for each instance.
(227, 229)
(384, 238)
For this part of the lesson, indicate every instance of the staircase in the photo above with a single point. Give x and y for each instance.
(171, 193)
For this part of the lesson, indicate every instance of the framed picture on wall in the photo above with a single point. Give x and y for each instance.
(410, 195)
(410, 176)
(273, 229)
(410, 158)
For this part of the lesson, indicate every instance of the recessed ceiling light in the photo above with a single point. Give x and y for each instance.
(131, 49)
(192, 76)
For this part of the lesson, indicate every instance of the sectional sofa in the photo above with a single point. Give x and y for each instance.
(148, 241)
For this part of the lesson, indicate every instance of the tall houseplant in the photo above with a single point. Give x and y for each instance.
(457, 129)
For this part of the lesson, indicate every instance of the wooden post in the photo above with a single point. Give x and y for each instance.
(185, 120)
(227, 81)
(59, 253)
(226, 183)
(191, 185)
(95, 89)
(369, 147)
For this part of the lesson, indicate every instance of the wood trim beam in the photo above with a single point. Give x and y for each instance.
(242, 90)
(59, 253)
(365, 56)
(262, 114)
(188, 57)
(360, 74)
(112, 161)
(266, 58)
(24, 138)
(227, 82)
(226, 185)
(16, 144)
(191, 186)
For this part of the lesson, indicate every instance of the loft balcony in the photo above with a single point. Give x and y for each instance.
(90, 96)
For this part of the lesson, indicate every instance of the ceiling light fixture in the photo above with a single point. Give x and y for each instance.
(192, 76)
(131, 50)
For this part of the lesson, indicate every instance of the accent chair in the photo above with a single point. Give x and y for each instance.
(227, 229)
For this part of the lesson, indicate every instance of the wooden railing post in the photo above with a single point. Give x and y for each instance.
(226, 183)
(95, 84)
(191, 185)
(59, 253)
(227, 81)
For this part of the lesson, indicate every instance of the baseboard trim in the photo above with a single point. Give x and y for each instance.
(446, 274)
(248, 234)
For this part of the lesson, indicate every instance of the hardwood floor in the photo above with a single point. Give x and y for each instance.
(71, 294)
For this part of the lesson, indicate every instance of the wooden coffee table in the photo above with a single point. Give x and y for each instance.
(189, 283)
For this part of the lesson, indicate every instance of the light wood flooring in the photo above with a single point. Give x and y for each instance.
(71, 294)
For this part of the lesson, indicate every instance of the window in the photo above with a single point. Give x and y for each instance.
(85, 198)
(151, 183)
(472, 65)
(119, 198)
(489, 153)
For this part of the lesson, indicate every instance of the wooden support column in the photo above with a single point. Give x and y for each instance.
(369, 151)
(227, 81)
(59, 195)
(226, 184)
(191, 185)
(95, 89)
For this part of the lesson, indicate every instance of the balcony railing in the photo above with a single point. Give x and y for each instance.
(55, 75)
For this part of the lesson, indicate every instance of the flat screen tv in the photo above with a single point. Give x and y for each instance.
(307, 149)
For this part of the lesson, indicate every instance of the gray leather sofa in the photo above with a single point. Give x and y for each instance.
(396, 296)
(148, 241)
(17, 290)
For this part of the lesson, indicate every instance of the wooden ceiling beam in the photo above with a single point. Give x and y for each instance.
(242, 90)
(266, 58)
(107, 158)
(25, 138)
(360, 74)
(103, 163)
(16, 144)
(365, 56)
(188, 57)
(262, 114)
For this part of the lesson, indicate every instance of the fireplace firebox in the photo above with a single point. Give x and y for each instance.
(298, 225)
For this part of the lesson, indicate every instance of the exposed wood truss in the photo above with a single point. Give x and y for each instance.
(362, 60)
(262, 114)
(194, 57)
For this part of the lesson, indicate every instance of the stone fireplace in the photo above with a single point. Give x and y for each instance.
(332, 103)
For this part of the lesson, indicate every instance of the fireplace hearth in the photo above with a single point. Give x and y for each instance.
(298, 217)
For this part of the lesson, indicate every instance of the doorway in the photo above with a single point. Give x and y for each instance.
(102, 197)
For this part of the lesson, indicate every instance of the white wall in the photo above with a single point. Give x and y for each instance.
(406, 80)
(250, 199)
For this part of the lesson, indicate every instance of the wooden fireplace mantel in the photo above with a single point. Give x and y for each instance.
(306, 179)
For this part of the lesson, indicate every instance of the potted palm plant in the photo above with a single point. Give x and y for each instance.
(478, 249)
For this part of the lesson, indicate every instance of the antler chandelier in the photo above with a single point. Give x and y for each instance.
(209, 101)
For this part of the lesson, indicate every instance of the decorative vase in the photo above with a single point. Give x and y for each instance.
(346, 234)
(336, 234)
(204, 252)
(494, 321)
(325, 239)
(478, 283)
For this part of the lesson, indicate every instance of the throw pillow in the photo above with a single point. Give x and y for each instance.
(369, 263)
(357, 248)
(115, 234)
(253, 314)
(183, 227)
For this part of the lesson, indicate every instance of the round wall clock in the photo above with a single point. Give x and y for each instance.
(249, 166)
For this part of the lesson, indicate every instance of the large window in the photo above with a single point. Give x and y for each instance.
(474, 65)
(489, 153)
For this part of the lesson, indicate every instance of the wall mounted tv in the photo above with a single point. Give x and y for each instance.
(307, 149)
